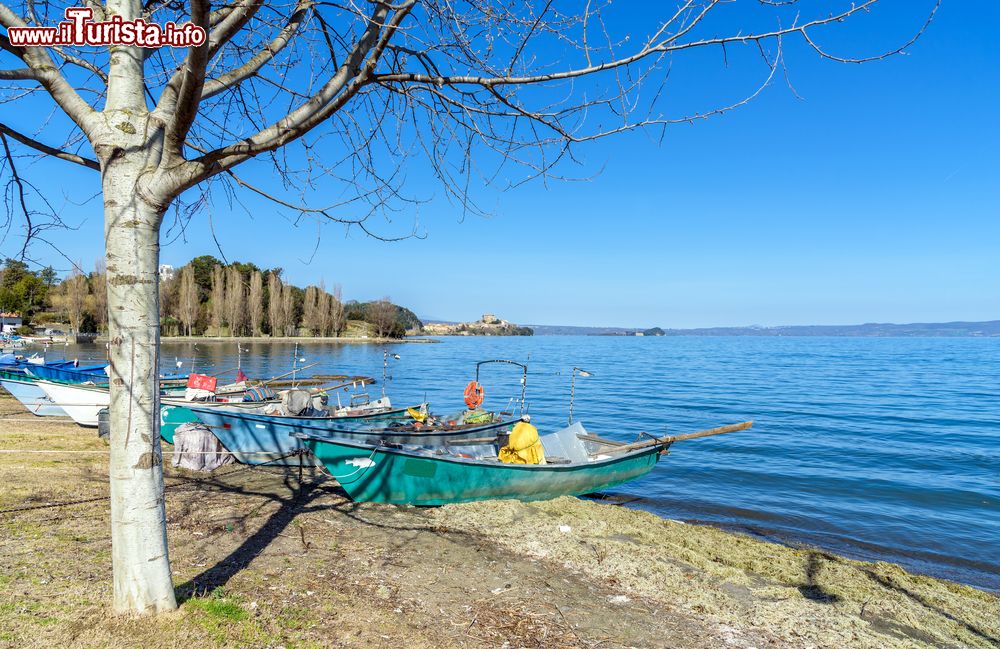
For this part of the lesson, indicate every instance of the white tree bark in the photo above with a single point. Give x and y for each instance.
(142, 581)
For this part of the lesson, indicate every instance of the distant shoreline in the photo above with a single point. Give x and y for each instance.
(986, 329)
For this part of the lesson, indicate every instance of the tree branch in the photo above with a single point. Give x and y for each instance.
(48, 75)
(48, 150)
(351, 75)
(262, 58)
(666, 46)
(189, 94)
(21, 74)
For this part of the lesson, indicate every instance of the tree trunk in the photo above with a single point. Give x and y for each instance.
(142, 581)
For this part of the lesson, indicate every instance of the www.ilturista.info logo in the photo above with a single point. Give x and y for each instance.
(80, 29)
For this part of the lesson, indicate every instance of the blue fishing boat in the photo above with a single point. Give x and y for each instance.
(256, 438)
(89, 374)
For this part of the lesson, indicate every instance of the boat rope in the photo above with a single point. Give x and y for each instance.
(360, 468)
(188, 483)
(51, 505)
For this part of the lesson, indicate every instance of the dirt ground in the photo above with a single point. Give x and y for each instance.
(263, 559)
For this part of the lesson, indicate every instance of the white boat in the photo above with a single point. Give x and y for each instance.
(31, 397)
(81, 402)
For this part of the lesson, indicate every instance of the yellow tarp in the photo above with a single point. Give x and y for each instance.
(524, 446)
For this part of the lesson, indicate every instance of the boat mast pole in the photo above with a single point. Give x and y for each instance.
(572, 389)
(572, 394)
(385, 367)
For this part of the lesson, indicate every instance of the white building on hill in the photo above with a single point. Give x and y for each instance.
(9, 322)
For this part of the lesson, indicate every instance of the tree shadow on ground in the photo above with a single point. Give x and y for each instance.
(303, 496)
(915, 597)
(811, 590)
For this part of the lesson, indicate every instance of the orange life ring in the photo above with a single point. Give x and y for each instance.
(474, 394)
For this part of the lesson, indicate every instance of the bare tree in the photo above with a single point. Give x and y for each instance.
(337, 320)
(217, 300)
(168, 298)
(274, 307)
(382, 315)
(235, 309)
(77, 291)
(256, 302)
(310, 310)
(189, 303)
(99, 289)
(474, 89)
(288, 320)
(323, 313)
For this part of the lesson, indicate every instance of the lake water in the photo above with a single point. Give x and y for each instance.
(877, 448)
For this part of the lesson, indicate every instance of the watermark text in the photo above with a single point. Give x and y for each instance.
(79, 29)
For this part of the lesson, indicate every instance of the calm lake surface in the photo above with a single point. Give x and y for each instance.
(877, 448)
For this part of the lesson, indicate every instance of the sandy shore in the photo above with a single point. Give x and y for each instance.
(261, 559)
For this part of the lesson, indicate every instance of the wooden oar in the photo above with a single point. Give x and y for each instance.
(324, 388)
(665, 441)
(295, 371)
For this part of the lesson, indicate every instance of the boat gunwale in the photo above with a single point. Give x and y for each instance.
(80, 386)
(430, 432)
(382, 448)
(251, 416)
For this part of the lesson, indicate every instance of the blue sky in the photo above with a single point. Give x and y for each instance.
(874, 197)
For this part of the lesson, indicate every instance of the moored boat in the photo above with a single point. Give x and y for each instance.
(176, 411)
(81, 402)
(576, 463)
(27, 391)
(95, 374)
(257, 438)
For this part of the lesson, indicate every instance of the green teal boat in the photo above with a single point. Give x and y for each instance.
(175, 412)
(576, 463)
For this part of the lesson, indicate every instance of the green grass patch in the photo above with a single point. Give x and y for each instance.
(219, 608)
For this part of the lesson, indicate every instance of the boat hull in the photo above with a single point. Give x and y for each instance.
(93, 374)
(381, 474)
(32, 397)
(175, 412)
(80, 403)
(265, 439)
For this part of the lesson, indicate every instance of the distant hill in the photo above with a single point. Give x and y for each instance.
(874, 330)
(559, 330)
(488, 325)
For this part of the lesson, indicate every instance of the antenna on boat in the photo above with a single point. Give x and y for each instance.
(524, 377)
(385, 367)
(295, 362)
(572, 388)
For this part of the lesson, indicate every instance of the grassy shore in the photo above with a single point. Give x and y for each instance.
(261, 559)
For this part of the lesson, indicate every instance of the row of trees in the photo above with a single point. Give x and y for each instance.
(205, 297)
(80, 299)
(243, 300)
(22, 290)
(209, 297)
